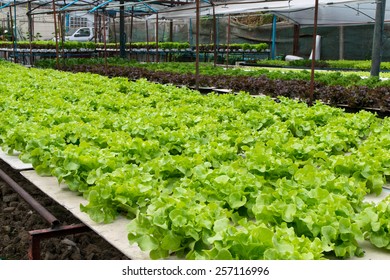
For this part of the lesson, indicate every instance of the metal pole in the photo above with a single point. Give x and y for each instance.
(105, 41)
(15, 35)
(62, 36)
(67, 23)
(157, 54)
(122, 35)
(217, 28)
(9, 32)
(197, 44)
(114, 30)
(147, 40)
(30, 31)
(228, 43)
(12, 33)
(95, 28)
(35, 237)
(190, 36)
(131, 29)
(215, 36)
(297, 28)
(100, 29)
(378, 38)
(56, 33)
(170, 38)
(341, 42)
(59, 20)
(313, 59)
(9, 22)
(273, 46)
(170, 30)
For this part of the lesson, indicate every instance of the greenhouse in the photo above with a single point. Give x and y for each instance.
(194, 130)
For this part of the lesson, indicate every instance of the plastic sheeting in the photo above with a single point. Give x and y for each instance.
(331, 13)
(334, 14)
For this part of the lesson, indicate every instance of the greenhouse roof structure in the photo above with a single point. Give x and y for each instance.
(330, 13)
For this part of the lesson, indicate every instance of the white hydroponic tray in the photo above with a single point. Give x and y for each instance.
(116, 233)
(14, 161)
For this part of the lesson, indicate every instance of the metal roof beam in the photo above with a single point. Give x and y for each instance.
(100, 6)
(68, 5)
(148, 6)
(5, 6)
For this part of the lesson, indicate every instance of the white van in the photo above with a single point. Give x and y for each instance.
(83, 34)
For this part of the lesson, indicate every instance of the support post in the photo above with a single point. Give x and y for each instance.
(297, 28)
(61, 28)
(62, 36)
(273, 45)
(15, 35)
(35, 237)
(215, 36)
(197, 44)
(55, 32)
(157, 53)
(228, 42)
(122, 34)
(114, 30)
(341, 42)
(378, 38)
(131, 30)
(170, 30)
(99, 28)
(95, 27)
(11, 29)
(313, 59)
(30, 31)
(8, 34)
(147, 41)
(190, 36)
(105, 41)
(170, 38)
(9, 22)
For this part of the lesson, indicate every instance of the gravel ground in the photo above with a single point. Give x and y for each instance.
(17, 218)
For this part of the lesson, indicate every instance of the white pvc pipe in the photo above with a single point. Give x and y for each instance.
(318, 48)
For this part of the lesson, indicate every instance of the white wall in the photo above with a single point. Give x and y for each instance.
(43, 23)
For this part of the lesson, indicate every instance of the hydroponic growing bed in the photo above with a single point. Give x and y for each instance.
(204, 177)
(351, 91)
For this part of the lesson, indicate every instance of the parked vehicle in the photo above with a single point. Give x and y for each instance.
(82, 34)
